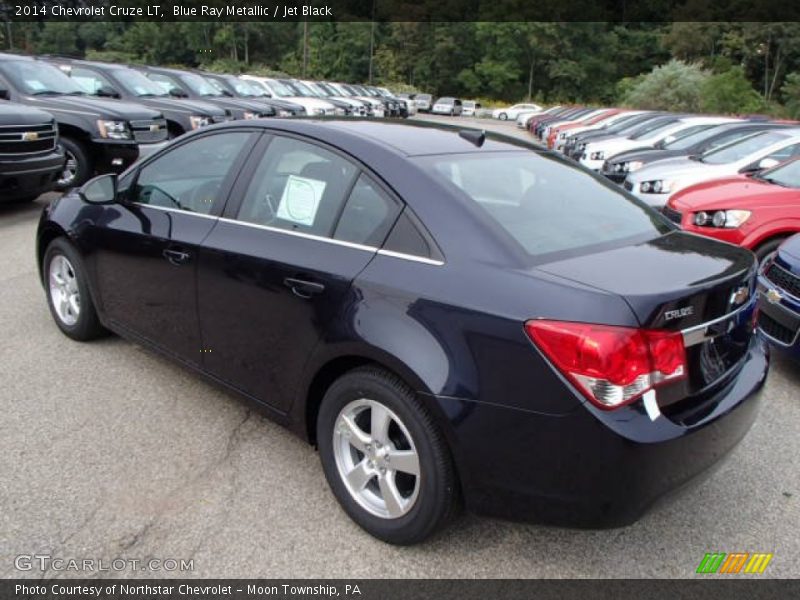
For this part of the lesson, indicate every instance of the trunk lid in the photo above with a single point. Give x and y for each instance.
(680, 282)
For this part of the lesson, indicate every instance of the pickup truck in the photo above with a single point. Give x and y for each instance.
(30, 159)
(97, 135)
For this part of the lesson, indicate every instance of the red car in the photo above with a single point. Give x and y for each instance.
(757, 211)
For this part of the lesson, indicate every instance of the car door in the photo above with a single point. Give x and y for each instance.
(145, 255)
(278, 267)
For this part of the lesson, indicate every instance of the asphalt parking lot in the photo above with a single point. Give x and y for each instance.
(109, 451)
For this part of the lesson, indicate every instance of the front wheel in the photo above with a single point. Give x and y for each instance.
(502, 116)
(68, 292)
(78, 167)
(384, 458)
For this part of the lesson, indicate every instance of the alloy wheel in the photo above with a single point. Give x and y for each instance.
(376, 458)
(64, 292)
(70, 172)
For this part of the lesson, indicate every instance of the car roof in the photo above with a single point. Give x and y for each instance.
(406, 138)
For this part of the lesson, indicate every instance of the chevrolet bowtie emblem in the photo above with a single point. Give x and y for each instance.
(30, 136)
(739, 296)
(773, 296)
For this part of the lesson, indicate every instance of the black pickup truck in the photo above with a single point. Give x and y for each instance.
(183, 84)
(96, 134)
(30, 160)
(123, 83)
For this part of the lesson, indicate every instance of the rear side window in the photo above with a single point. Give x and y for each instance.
(299, 187)
(545, 205)
(367, 215)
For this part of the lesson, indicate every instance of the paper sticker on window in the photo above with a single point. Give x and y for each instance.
(300, 200)
(35, 85)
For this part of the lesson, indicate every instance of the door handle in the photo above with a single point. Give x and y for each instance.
(302, 288)
(177, 257)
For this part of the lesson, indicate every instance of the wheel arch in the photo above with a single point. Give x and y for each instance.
(333, 366)
(49, 232)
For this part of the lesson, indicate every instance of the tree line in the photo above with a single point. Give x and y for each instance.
(735, 67)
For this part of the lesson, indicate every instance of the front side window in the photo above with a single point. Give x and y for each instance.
(190, 176)
(298, 186)
(544, 205)
(167, 83)
(199, 85)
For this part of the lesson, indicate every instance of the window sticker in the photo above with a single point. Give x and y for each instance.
(300, 200)
(36, 86)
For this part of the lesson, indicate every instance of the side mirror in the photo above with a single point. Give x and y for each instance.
(177, 93)
(5, 94)
(100, 190)
(106, 91)
(227, 94)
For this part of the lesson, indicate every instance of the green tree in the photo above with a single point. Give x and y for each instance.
(730, 93)
(673, 86)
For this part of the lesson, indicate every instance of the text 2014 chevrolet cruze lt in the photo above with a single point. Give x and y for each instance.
(445, 316)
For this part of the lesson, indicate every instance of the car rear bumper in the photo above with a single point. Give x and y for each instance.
(26, 177)
(593, 468)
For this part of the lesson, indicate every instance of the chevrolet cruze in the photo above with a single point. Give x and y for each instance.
(449, 317)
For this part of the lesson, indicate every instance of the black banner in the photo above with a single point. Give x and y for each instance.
(401, 10)
(713, 588)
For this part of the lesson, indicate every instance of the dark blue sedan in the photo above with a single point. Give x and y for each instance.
(448, 317)
(779, 287)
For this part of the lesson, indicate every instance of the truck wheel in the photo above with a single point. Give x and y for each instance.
(78, 168)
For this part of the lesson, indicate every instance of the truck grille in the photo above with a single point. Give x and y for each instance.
(24, 140)
(148, 132)
(671, 214)
(784, 279)
(775, 330)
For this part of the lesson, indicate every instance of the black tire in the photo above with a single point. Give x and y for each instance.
(437, 498)
(502, 116)
(767, 248)
(87, 326)
(85, 165)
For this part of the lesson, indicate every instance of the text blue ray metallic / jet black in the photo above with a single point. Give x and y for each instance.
(461, 299)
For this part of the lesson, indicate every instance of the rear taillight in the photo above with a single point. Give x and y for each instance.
(611, 366)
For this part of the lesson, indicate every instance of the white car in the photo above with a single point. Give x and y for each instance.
(597, 153)
(656, 182)
(524, 117)
(469, 108)
(423, 102)
(512, 112)
(565, 136)
(315, 107)
(447, 106)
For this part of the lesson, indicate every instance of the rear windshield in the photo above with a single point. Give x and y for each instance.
(546, 205)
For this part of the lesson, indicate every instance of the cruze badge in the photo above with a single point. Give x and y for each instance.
(678, 313)
(773, 296)
(30, 136)
(739, 296)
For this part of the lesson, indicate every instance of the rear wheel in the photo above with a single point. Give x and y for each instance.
(78, 167)
(384, 458)
(502, 116)
(68, 292)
